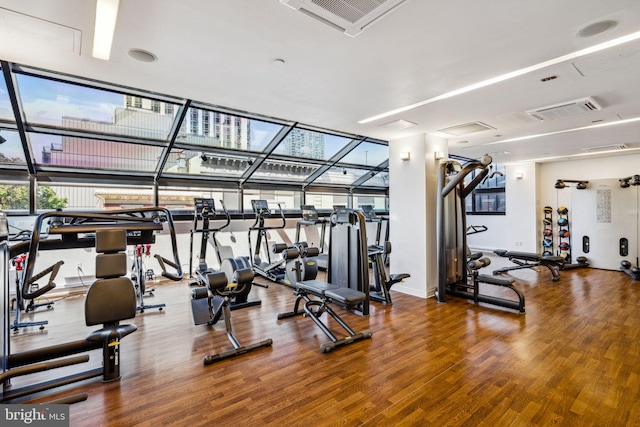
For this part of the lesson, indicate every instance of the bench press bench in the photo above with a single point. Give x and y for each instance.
(327, 293)
(531, 260)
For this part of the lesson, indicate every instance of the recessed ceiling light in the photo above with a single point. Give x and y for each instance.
(596, 28)
(142, 55)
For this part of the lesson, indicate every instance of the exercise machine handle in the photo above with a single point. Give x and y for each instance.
(162, 261)
(26, 294)
(261, 226)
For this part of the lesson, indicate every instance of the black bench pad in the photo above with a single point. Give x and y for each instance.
(336, 293)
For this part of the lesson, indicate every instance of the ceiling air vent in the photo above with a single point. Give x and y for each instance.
(349, 16)
(565, 109)
(610, 147)
(466, 129)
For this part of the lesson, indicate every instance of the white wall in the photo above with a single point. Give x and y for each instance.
(412, 212)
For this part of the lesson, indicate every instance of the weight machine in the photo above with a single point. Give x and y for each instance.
(457, 272)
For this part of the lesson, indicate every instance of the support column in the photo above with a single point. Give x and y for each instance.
(412, 211)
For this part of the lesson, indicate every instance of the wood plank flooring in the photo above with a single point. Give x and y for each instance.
(573, 360)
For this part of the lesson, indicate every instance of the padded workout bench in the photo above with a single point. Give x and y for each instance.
(531, 260)
(327, 293)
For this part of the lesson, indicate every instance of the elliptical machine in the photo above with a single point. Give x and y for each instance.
(205, 211)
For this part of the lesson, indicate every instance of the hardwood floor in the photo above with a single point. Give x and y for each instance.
(573, 359)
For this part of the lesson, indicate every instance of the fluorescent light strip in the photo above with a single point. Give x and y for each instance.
(511, 75)
(599, 125)
(106, 15)
(569, 156)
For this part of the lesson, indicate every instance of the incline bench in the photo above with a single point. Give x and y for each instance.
(327, 293)
(531, 260)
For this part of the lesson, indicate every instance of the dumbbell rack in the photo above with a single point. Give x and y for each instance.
(547, 232)
(564, 234)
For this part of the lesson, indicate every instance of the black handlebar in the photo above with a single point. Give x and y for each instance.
(259, 223)
(140, 225)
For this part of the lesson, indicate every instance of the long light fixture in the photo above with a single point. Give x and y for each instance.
(511, 75)
(539, 135)
(106, 16)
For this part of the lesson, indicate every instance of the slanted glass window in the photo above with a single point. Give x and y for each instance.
(340, 176)
(283, 170)
(207, 128)
(367, 154)
(6, 112)
(11, 152)
(88, 154)
(381, 179)
(488, 198)
(66, 105)
(310, 144)
(202, 162)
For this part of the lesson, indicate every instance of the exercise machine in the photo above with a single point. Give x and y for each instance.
(30, 290)
(380, 289)
(348, 254)
(111, 289)
(310, 222)
(455, 277)
(210, 303)
(315, 308)
(531, 260)
(348, 267)
(204, 213)
(475, 262)
(139, 277)
(273, 270)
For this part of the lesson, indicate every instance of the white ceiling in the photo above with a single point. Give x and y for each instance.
(222, 52)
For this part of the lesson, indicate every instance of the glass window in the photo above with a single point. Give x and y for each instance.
(367, 154)
(326, 201)
(99, 197)
(6, 112)
(289, 200)
(379, 203)
(11, 151)
(311, 145)
(66, 105)
(213, 163)
(238, 133)
(340, 176)
(90, 154)
(381, 179)
(14, 196)
(179, 198)
(489, 196)
(282, 170)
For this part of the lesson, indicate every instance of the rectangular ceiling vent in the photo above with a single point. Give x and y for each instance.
(348, 16)
(466, 129)
(565, 109)
(610, 147)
